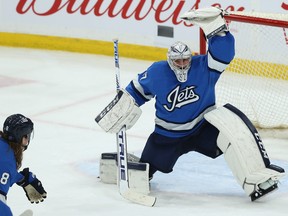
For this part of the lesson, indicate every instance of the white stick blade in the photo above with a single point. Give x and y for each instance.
(139, 198)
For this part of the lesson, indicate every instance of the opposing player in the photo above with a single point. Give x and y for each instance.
(14, 140)
(187, 118)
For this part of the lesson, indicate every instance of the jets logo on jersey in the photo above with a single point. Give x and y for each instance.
(178, 98)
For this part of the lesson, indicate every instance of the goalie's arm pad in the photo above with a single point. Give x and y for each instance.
(210, 20)
(121, 111)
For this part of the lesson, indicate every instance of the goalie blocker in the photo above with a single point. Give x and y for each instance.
(121, 111)
(244, 152)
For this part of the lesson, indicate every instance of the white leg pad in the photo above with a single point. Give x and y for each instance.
(138, 172)
(243, 149)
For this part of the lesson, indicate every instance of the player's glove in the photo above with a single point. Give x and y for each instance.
(32, 187)
(211, 20)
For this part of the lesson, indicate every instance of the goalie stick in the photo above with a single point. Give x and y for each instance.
(123, 178)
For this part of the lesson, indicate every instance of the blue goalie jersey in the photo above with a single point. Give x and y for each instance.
(180, 107)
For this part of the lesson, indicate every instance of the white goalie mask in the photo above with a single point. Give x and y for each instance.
(179, 59)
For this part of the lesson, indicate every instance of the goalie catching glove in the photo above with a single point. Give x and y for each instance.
(122, 111)
(210, 20)
(32, 186)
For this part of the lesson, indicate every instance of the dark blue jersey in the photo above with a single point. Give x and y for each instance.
(8, 169)
(180, 107)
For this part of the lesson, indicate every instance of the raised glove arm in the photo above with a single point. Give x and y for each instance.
(211, 20)
(32, 186)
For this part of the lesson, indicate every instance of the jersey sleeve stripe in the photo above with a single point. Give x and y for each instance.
(141, 90)
(216, 65)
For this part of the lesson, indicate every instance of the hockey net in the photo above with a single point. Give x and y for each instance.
(256, 81)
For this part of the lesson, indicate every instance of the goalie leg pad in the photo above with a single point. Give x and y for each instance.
(138, 173)
(243, 149)
(122, 111)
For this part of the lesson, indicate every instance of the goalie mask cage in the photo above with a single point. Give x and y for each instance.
(256, 81)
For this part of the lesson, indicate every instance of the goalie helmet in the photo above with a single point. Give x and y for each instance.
(179, 59)
(16, 127)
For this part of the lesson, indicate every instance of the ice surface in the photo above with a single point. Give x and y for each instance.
(63, 92)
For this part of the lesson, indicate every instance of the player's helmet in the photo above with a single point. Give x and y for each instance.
(179, 59)
(16, 127)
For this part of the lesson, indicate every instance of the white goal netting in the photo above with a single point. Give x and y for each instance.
(256, 81)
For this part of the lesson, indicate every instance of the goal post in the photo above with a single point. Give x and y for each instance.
(256, 81)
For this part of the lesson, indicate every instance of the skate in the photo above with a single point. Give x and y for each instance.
(264, 188)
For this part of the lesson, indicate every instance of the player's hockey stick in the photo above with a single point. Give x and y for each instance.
(123, 178)
(27, 212)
